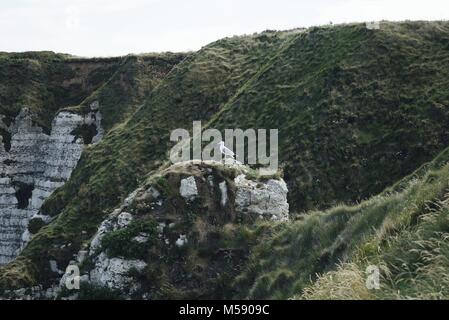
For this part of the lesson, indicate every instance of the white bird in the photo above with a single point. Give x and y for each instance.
(226, 151)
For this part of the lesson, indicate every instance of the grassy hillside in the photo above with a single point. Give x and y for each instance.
(409, 246)
(357, 110)
(45, 82)
(126, 89)
(402, 231)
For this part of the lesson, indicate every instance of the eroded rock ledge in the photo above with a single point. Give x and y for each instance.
(32, 165)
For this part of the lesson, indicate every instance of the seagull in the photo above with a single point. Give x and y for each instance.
(226, 151)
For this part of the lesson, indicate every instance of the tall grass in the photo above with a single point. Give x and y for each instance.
(324, 254)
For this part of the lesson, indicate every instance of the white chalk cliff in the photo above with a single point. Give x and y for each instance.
(32, 167)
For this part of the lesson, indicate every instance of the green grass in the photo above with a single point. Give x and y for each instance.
(324, 254)
(91, 292)
(413, 264)
(121, 243)
(356, 109)
(46, 82)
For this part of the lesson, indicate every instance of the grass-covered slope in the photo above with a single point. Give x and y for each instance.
(409, 246)
(356, 109)
(45, 82)
(403, 231)
(126, 89)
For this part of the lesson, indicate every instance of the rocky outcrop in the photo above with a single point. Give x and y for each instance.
(114, 273)
(188, 204)
(32, 165)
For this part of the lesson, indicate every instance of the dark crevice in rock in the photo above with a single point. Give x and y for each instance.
(46, 130)
(6, 139)
(85, 131)
(7, 120)
(23, 194)
(9, 162)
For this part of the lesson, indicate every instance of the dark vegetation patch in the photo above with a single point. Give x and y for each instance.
(35, 224)
(9, 162)
(92, 292)
(121, 243)
(86, 132)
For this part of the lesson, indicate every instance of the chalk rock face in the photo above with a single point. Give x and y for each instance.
(31, 168)
(117, 219)
(114, 273)
(267, 199)
(106, 226)
(124, 219)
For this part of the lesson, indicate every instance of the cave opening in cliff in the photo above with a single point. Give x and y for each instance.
(23, 194)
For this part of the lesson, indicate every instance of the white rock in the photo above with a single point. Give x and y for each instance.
(181, 241)
(26, 236)
(153, 192)
(124, 219)
(188, 189)
(210, 180)
(114, 273)
(45, 218)
(81, 256)
(117, 219)
(141, 237)
(54, 266)
(160, 227)
(224, 193)
(105, 227)
(94, 106)
(130, 198)
(266, 199)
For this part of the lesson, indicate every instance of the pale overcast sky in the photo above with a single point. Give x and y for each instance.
(117, 27)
